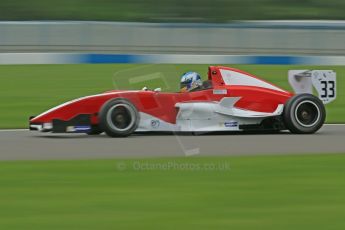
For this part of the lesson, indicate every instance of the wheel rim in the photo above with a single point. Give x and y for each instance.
(121, 117)
(307, 113)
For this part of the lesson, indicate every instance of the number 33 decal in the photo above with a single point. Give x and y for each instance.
(327, 89)
(325, 83)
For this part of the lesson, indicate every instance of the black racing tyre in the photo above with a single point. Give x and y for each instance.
(304, 114)
(95, 130)
(119, 118)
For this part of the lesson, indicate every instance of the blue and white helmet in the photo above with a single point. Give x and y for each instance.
(190, 81)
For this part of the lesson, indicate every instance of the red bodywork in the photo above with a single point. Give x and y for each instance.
(162, 105)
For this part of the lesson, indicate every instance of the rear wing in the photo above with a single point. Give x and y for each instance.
(323, 81)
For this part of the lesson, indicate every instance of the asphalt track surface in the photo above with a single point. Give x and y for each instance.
(29, 145)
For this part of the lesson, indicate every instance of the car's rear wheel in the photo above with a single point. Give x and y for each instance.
(304, 114)
(119, 118)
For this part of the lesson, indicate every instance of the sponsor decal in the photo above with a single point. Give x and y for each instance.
(155, 123)
(231, 124)
(220, 91)
(81, 128)
(78, 128)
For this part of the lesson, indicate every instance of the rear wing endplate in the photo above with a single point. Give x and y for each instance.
(323, 81)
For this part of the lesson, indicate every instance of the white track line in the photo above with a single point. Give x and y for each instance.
(334, 124)
(20, 130)
(13, 130)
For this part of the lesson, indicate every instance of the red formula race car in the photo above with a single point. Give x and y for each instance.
(229, 100)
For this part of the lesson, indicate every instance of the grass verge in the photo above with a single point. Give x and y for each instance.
(266, 192)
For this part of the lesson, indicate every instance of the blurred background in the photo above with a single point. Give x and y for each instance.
(171, 10)
(174, 26)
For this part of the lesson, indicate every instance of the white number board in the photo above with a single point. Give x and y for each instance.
(324, 82)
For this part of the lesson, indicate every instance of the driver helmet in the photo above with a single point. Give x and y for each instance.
(190, 81)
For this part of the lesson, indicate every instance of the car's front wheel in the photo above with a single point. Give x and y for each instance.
(119, 118)
(304, 114)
